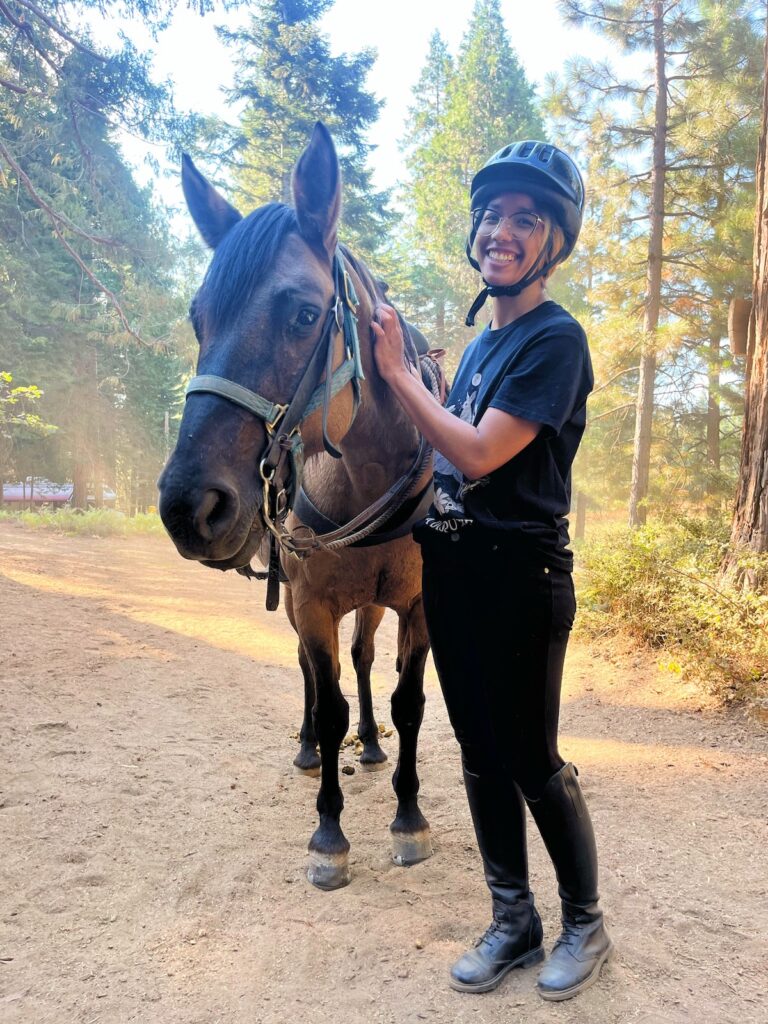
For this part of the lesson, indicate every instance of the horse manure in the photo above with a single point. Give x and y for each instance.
(348, 769)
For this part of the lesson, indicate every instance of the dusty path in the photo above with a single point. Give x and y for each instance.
(153, 831)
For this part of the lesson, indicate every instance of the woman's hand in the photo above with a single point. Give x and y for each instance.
(388, 349)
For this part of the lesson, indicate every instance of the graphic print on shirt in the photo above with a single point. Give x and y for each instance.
(450, 485)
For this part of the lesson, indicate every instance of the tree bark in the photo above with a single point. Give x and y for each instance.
(80, 485)
(641, 456)
(749, 530)
(713, 413)
(440, 322)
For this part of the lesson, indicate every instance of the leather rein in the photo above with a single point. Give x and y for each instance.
(282, 463)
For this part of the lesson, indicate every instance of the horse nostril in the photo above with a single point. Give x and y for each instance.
(215, 513)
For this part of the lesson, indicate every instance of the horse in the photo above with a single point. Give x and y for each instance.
(284, 311)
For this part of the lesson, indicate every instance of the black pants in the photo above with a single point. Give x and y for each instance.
(499, 629)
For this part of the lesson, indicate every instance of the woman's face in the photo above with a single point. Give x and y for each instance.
(504, 256)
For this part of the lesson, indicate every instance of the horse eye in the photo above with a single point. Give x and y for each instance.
(306, 317)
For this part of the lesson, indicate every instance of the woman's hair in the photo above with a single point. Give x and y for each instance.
(554, 243)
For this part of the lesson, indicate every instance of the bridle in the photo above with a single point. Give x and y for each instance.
(281, 464)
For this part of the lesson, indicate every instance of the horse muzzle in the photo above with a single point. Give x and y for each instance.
(209, 521)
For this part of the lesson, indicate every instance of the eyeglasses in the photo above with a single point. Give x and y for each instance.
(521, 225)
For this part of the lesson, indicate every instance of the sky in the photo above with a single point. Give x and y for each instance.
(198, 64)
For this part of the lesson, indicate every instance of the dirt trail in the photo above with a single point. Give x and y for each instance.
(153, 830)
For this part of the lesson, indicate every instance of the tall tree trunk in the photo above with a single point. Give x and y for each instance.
(439, 341)
(641, 456)
(80, 484)
(749, 531)
(713, 413)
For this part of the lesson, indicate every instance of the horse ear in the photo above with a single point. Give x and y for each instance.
(211, 212)
(317, 190)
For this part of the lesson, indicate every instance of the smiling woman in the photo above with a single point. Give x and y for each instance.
(497, 585)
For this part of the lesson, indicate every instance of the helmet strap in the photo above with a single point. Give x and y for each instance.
(476, 306)
(508, 289)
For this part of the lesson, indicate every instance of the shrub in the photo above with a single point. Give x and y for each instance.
(95, 522)
(660, 583)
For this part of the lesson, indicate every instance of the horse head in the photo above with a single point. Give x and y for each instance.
(268, 303)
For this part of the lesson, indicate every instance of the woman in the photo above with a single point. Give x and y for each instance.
(498, 592)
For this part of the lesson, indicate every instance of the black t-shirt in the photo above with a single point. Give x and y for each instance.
(537, 368)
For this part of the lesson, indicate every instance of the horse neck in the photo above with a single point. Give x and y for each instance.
(379, 407)
(382, 442)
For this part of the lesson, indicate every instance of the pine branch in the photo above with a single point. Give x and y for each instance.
(621, 373)
(22, 90)
(113, 299)
(57, 222)
(59, 218)
(26, 29)
(61, 31)
(576, 13)
(602, 415)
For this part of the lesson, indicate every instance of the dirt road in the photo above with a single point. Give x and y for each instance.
(153, 830)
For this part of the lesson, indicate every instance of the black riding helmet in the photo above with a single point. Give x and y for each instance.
(552, 180)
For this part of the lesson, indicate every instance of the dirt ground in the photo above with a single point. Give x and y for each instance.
(154, 831)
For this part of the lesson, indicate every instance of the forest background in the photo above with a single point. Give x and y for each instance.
(95, 348)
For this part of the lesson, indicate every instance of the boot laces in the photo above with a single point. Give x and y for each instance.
(573, 928)
(496, 927)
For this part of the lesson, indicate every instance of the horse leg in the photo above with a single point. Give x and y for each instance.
(307, 760)
(328, 847)
(366, 623)
(410, 829)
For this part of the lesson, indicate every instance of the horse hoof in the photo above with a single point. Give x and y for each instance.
(308, 762)
(328, 871)
(373, 766)
(411, 847)
(308, 773)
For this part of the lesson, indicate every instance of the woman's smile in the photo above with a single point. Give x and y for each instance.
(502, 255)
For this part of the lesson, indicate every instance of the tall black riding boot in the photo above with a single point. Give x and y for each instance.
(583, 947)
(513, 939)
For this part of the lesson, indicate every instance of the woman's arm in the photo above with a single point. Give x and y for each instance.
(474, 450)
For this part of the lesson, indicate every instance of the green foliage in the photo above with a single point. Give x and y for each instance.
(91, 523)
(19, 423)
(661, 584)
(714, 70)
(87, 273)
(464, 110)
(287, 79)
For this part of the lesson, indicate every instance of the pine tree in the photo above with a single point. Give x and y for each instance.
(56, 329)
(749, 531)
(464, 112)
(288, 79)
(686, 175)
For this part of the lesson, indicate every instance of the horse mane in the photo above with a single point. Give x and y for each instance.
(241, 258)
(372, 285)
(377, 290)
